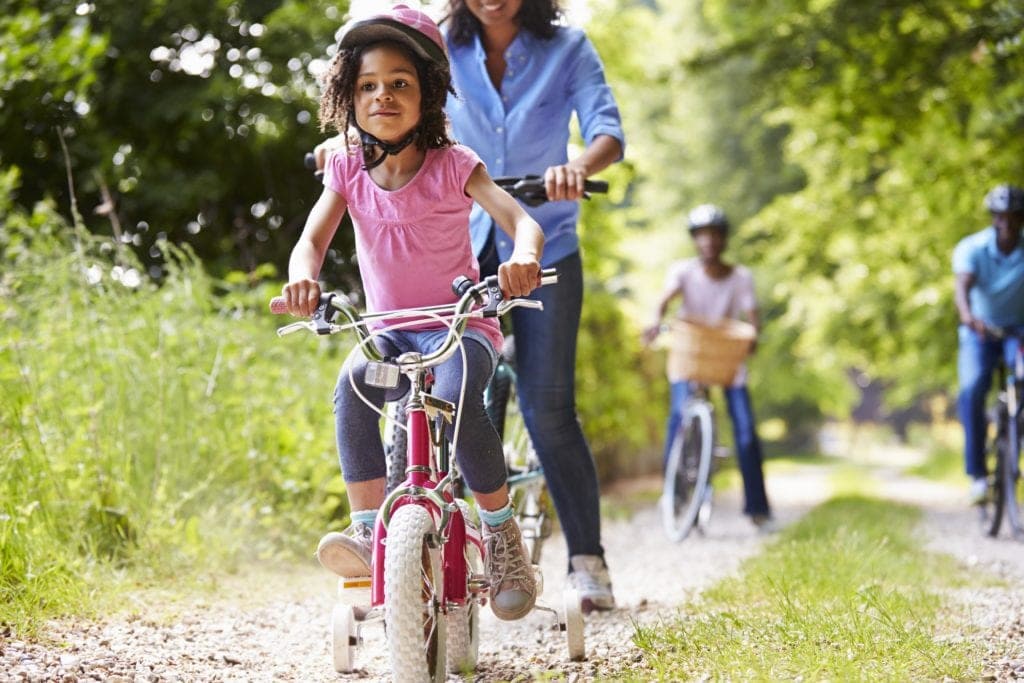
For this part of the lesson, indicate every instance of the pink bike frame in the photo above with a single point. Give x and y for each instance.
(420, 466)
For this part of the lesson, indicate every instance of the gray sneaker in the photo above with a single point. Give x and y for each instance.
(347, 553)
(513, 585)
(589, 576)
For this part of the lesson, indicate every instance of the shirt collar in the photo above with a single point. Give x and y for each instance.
(992, 246)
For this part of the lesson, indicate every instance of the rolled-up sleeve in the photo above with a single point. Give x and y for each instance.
(592, 97)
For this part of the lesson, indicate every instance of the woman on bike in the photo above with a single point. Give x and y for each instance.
(989, 292)
(519, 75)
(408, 190)
(712, 289)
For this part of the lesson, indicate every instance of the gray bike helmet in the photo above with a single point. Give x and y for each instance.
(708, 216)
(1005, 198)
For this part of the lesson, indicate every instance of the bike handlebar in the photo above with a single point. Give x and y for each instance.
(485, 296)
(530, 188)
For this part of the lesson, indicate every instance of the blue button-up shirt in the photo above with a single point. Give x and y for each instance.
(524, 129)
(997, 296)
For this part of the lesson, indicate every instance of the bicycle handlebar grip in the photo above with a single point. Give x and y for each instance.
(595, 186)
(277, 305)
(309, 161)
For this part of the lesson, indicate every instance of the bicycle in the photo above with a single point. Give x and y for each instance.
(426, 584)
(704, 354)
(1002, 454)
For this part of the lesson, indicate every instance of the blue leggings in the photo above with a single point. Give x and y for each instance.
(360, 449)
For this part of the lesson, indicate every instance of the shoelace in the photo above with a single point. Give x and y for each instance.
(511, 562)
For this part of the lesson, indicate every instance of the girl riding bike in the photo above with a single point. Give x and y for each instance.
(408, 190)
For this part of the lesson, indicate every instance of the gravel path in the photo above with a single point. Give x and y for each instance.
(274, 626)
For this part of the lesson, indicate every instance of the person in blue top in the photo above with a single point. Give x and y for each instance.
(989, 269)
(519, 76)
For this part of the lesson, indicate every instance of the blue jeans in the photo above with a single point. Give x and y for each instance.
(748, 445)
(546, 382)
(357, 426)
(977, 361)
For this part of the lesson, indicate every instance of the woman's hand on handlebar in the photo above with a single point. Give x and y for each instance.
(302, 297)
(519, 276)
(564, 182)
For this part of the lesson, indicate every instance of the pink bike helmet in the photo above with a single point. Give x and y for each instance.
(401, 24)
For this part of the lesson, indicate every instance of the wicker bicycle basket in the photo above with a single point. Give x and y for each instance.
(709, 353)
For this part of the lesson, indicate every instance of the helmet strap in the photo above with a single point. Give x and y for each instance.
(386, 148)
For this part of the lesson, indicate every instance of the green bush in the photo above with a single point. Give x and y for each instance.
(161, 429)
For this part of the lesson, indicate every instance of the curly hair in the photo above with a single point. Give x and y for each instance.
(337, 101)
(539, 17)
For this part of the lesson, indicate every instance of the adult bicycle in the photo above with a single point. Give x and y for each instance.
(426, 584)
(704, 355)
(1003, 450)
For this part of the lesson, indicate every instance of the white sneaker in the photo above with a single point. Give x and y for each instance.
(978, 491)
(589, 576)
(348, 553)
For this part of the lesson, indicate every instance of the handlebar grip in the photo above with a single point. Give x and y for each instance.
(595, 185)
(278, 305)
(309, 161)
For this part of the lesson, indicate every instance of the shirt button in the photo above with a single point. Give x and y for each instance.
(499, 129)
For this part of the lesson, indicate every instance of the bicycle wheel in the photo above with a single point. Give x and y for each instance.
(689, 466)
(1011, 478)
(416, 631)
(994, 504)
(534, 509)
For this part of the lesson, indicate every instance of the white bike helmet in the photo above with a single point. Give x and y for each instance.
(708, 216)
(1005, 198)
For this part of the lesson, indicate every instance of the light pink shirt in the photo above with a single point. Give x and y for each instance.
(713, 300)
(411, 243)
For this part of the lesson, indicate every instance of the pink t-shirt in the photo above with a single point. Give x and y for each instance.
(412, 242)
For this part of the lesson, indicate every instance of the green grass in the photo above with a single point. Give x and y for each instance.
(844, 594)
(148, 433)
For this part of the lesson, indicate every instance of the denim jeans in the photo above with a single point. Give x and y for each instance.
(546, 382)
(748, 445)
(975, 364)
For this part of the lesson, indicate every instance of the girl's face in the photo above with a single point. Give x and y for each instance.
(492, 13)
(387, 93)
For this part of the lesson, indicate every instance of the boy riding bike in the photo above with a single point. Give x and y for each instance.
(989, 269)
(712, 290)
(408, 190)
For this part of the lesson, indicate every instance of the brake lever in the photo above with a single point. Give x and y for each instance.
(295, 327)
(505, 306)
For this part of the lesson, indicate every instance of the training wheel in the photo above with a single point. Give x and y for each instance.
(344, 638)
(573, 625)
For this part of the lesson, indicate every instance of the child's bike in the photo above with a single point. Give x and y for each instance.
(426, 583)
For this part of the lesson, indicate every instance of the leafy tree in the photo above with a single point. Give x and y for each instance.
(183, 120)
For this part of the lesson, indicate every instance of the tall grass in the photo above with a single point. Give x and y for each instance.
(161, 429)
(844, 594)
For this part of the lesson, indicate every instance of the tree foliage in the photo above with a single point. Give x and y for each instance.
(184, 120)
(880, 127)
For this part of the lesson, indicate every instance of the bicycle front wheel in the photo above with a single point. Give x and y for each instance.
(995, 501)
(416, 629)
(1011, 478)
(688, 471)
